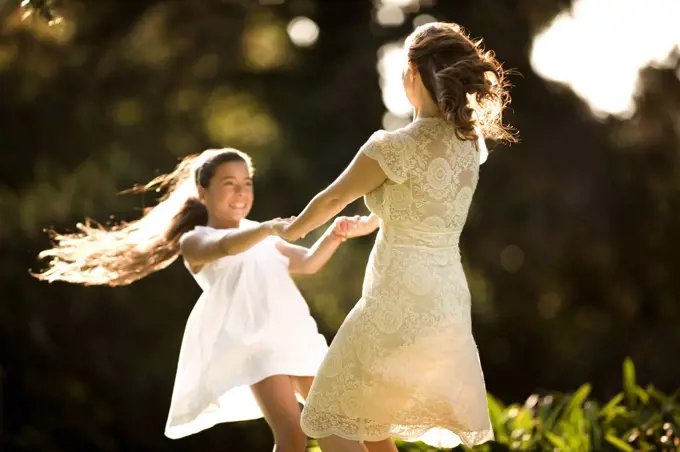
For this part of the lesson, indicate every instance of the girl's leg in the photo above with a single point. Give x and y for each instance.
(302, 385)
(276, 397)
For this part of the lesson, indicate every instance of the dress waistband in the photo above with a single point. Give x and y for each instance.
(407, 237)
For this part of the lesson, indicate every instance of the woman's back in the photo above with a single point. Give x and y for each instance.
(432, 178)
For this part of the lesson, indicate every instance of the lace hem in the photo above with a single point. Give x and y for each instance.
(469, 439)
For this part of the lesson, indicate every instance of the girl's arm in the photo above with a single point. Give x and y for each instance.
(199, 248)
(307, 261)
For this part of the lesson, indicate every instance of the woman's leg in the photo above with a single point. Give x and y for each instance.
(276, 397)
(335, 443)
(386, 445)
(331, 443)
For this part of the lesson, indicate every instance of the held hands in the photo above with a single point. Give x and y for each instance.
(350, 227)
(343, 228)
(278, 226)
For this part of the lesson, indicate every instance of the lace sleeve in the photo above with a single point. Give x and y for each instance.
(382, 148)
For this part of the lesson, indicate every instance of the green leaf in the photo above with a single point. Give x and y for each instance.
(496, 414)
(618, 443)
(612, 404)
(559, 407)
(616, 414)
(645, 446)
(595, 428)
(659, 396)
(629, 382)
(574, 411)
(642, 395)
(556, 440)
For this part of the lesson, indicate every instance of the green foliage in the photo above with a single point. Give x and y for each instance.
(637, 419)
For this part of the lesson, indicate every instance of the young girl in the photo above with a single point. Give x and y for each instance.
(250, 345)
(404, 362)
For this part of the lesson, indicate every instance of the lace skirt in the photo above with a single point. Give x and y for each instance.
(404, 364)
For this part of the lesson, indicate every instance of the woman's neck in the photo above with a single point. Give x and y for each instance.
(426, 110)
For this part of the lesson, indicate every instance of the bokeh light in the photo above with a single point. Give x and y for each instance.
(391, 62)
(265, 46)
(390, 121)
(392, 59)
(237, 118)
(549, 305)
(422, 19)
(598, 47)
(390, 16)
(147, 43)
(303, 31)
(127, 112)
(512, 258)
(406, 4)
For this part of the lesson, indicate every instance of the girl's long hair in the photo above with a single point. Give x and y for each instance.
(123, 253)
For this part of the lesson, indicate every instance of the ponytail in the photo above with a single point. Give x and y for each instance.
(193, 213)
(468, 84)
(127, 252)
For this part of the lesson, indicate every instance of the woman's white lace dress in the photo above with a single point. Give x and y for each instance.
(404, 362)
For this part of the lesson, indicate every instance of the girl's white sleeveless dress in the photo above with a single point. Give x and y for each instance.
(250, 323)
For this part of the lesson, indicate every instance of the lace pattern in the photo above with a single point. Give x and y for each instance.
(404, 361)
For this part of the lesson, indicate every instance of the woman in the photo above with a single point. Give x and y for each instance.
(405, 362)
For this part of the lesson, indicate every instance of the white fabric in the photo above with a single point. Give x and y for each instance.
(404, 363)
(250, 323)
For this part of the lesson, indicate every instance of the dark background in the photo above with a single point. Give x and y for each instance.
(571, 248)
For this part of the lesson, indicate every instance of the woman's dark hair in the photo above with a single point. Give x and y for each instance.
(467, 83)
(123, 253)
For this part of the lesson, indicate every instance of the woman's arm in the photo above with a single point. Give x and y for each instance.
(363, 175)
(199, 248)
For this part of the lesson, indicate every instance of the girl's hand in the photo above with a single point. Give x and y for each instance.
(350, 227)
(287, 234)
(277, 226)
